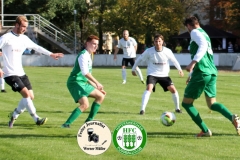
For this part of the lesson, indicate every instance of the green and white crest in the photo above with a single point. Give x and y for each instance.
(129, 137)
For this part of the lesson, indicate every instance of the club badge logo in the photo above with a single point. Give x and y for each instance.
(94, 137)
(129, 137)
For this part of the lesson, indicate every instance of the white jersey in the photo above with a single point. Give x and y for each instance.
(157, 61)
(13, 46)
(128, 47)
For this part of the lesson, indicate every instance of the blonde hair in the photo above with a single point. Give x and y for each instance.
(21, 18)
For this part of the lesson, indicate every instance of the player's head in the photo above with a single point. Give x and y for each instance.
(125, 34)
(21, 24)
(92, 43)
(158, 41)
(191, 23)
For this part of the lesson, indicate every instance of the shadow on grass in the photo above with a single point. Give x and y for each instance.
(38, 136)
(111, 112)
(53, 111)
(180, 134)
(88, 111)
(28, 126)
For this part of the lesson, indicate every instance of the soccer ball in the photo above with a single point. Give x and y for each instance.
(168, 118)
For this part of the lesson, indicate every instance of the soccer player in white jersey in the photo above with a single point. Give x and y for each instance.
(13, 44)
(129, 47)
(157, 59)
(2, 81)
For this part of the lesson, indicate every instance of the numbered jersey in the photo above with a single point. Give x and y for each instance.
(201, 51)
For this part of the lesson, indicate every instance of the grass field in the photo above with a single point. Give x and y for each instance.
(26, 141)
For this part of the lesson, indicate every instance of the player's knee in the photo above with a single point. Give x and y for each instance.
(100, 98)
(172, 89)
(185, 105)
(83, 107)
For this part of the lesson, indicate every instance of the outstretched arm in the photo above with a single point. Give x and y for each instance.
(56, 56)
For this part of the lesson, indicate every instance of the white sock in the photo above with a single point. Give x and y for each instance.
(124, 74)
(20, 109)
(139, 73)
(2, 82)
(30, 107)
(145, 98)
(175, 98)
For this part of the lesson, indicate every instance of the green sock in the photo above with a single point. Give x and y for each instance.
(75, 114)
(194, 114)
(94, 109)
(222, 109)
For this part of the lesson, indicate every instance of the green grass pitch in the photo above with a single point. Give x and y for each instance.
(26, 141)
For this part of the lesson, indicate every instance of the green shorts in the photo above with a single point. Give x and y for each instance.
(79, 90)
(201, 83)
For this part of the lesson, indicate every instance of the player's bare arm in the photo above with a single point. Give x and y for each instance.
(181, 73)
(115, 53)
(190, 67)
(1, 73)
(134, 73)
(56, 56)
(97, 85)
(94, 85)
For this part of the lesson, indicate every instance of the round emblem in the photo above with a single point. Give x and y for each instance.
(129, 137)
(94, 137)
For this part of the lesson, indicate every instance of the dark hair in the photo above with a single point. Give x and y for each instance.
(158, 36)
(192, 21)
(91, 37)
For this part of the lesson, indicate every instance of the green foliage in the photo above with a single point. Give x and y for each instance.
(50, 142)
(234, 18)
(140, 17)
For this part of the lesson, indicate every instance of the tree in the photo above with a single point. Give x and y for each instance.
(99, 9)
(142, 16)
(234, 15)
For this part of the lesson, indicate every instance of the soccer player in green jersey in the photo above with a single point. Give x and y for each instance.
(81, 83)
(203, 78)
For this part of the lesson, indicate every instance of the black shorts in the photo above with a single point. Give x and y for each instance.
(18, 82)
(125, 61)
(163, 81)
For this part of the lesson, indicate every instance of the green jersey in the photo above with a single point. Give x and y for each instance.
(82, 66)
(201, 51)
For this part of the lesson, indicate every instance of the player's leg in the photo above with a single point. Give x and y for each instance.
(210, 94)
(168, 85)
(151, 82)
(138, 71)
(28, 96)
(22, 85)
(99, 97)
(193, 90)
(175, 98)
(84, 104)
(17, 111)
(124, 72)
(2, 83)
(79, 92)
